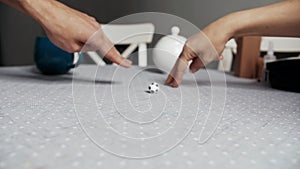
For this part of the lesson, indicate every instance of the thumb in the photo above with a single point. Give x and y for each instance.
(196, 65)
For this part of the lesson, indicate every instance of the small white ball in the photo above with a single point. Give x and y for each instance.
(153, 87)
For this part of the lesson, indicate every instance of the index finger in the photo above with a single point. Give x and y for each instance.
(114, 56)
(99, 41)
(108, 49)
(175, 77)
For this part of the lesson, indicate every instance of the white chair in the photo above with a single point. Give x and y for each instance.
(226, 63)
(134, 35)
(281, 44)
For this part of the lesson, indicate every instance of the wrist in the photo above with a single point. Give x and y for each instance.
(240, 23)
(220, 31)
(37, 9)
(234, 25)
(227, 26)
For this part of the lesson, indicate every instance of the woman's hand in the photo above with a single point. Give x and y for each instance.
(201, 48)
(279, 19)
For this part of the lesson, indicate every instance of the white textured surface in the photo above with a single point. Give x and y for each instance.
(260, 127)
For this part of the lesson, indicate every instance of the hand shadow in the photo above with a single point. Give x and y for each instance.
(30, 73)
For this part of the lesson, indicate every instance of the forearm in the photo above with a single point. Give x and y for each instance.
(280, 19)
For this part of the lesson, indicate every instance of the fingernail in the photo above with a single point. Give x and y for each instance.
(192, 70)
(126, 63)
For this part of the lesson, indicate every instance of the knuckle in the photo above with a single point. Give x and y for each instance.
(74, 48)
(93, 18)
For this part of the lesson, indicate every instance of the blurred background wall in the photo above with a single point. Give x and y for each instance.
(18, 31)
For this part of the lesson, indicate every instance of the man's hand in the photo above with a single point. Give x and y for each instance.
(68, 28)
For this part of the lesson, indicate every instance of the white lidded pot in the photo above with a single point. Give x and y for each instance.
(168, 49)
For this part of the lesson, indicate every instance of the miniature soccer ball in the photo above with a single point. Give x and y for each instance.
(153, 87)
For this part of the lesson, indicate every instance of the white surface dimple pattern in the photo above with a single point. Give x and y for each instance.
(39, 129)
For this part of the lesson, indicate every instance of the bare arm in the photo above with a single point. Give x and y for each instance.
(280, 19)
